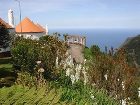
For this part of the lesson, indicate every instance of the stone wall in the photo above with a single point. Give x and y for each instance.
(76, 52)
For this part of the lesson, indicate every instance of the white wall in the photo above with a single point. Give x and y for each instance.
(4, 50)
(34, 36)
(11, 30)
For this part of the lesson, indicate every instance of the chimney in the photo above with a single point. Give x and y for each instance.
(47, 29)
(11, 18)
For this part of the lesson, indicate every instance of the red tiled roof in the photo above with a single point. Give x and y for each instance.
(5, 24)
(43, 29)
(27, 27)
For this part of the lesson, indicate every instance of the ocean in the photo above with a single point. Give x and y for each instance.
(101, 37)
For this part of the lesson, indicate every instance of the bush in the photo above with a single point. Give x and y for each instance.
(26, 52)
(112, 73)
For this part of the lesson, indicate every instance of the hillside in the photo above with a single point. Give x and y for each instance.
(132, 46)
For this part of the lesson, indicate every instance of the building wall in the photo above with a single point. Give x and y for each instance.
(11, 30)
(76, 51)
(34, 36)
(75, 39)
(4, 50)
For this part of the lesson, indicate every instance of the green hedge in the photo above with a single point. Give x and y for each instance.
(26, 52)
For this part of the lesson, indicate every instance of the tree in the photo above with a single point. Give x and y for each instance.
(95, 50)
(4, 36)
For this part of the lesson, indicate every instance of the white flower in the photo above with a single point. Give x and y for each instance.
(139, 92)
(56, 62)
(85, 75)
(85, 61)
(105, 76)
(92, 96)
(123, 86)
(118, 79)
(73, 71)
(77, 74)
(64, 67)
(72, 79)
(124, 102)
(38, 62)
(68, 72)
(41, 70)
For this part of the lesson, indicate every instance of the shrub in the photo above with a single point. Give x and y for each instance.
(112, 73)
(26, 52)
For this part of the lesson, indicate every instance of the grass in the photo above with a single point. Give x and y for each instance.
(19, 95)
(7, 76)
(6, 66)
(5, 60)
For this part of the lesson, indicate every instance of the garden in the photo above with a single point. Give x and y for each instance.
(44, 73)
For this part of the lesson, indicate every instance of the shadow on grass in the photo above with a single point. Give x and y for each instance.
(5, 60)
(7, 77)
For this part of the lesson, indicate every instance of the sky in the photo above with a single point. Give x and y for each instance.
(76, 13)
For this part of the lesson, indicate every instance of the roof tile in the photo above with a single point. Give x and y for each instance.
(4, 23)
(27, 27)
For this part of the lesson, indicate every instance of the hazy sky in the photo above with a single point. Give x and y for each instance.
(77, 13)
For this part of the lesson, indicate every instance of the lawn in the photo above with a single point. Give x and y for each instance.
(5, 60)
(6, 66)
(7, 76)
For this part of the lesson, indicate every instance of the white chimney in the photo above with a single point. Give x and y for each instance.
(47, 29)
(11, 18)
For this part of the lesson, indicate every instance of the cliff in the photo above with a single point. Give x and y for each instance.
(132, 47)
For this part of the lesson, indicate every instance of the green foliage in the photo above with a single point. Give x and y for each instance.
(87, 53)
(132, 48)
(5, 65)
(7, 76)
(80, 94)
(18, 95)
(32, 89)
(5, 60)
(95, 50)
(52, 93)
(26, 52)
(26, 79)
(4, 36)
(110, 71)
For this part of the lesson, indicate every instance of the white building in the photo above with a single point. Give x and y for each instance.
(28, 29)
(75, 39)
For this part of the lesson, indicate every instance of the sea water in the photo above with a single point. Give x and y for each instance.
(101, 37)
